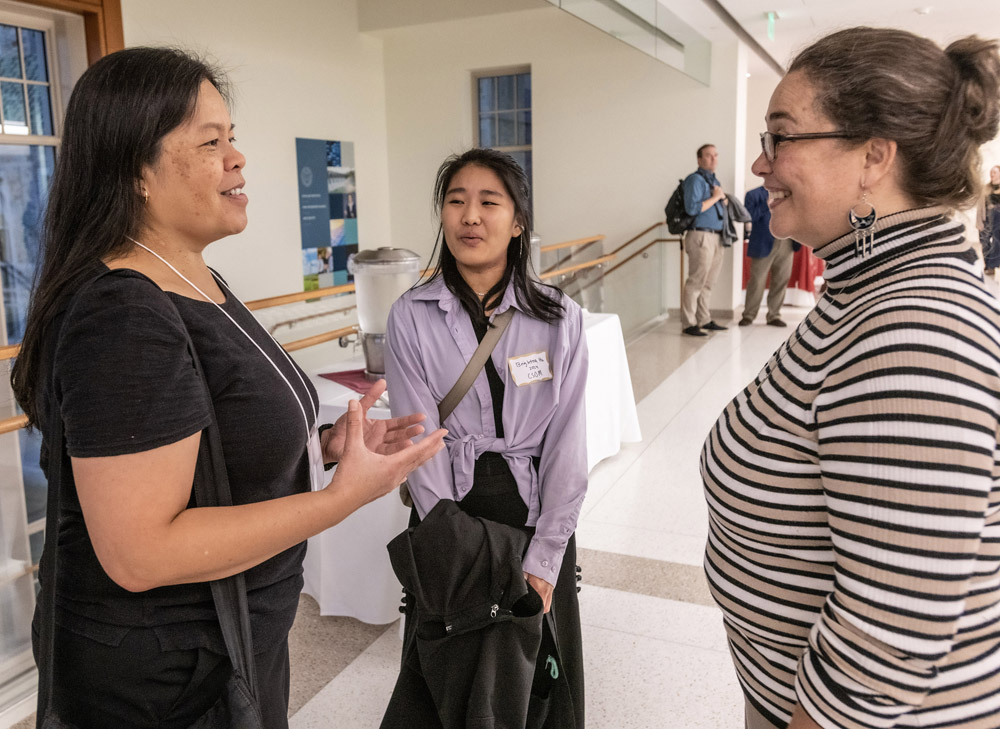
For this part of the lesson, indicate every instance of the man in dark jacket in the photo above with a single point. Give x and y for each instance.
(768, 255)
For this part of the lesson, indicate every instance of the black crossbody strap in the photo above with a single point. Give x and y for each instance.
(478, 361)
(230, 593)
(49, 568)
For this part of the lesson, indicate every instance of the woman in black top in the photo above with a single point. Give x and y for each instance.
(147, 177)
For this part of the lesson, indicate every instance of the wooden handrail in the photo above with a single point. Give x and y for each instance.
(320, 338)
(638, 252)
(308, 295)
(563, 260)
(677, 239)
(578, 266)
(631, 240)
(634, 238)
(307, 317)
(570, 243)
(9, 425)
(301, 296)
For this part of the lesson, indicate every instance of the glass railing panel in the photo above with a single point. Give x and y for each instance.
(634, 288)
(582, 285)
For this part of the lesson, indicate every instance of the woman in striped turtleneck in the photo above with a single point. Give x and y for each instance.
(854, 486)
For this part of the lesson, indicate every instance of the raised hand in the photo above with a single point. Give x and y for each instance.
(380, 435)
(363, 474)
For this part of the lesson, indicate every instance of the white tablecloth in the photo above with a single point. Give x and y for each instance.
(611, 415)
(347, 567)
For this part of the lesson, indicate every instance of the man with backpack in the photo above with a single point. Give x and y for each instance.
(704, 199)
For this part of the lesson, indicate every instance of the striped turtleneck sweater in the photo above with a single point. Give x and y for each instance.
(854, 494)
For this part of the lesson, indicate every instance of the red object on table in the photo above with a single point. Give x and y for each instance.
(805, 268)
(354, 379)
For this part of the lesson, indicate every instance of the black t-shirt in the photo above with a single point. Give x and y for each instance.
(126, 383)
(493, 377)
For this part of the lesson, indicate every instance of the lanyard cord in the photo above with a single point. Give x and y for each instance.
(253, 341)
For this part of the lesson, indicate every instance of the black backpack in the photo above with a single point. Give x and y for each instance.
(678, 220)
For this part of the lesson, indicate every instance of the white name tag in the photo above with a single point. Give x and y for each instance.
(528, 369)
(318, 478)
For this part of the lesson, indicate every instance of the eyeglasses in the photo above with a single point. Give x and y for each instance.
(769, 142)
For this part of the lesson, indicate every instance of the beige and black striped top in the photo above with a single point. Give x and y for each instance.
(854, 494)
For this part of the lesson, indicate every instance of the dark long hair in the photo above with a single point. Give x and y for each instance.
(538, 300)
(118, 114)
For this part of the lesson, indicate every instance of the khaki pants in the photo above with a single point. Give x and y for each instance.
(705, 251)
(779, 264)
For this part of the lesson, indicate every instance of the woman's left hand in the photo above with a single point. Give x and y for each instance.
(543, 588)
(381, 435)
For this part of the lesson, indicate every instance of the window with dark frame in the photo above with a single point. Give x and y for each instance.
(26, 107)
(504, 104)
(28, 145)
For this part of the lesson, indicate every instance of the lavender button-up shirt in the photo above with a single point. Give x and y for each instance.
(430, 339)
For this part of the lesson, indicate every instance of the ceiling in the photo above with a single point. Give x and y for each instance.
(799, 22)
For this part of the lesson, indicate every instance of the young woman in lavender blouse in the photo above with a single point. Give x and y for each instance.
(516, 443)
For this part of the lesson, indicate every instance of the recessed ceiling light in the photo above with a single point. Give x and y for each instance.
(922, 11)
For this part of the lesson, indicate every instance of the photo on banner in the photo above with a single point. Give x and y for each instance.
(328, 213)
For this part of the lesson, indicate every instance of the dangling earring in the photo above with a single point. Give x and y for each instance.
(862, 223)
(145, 196)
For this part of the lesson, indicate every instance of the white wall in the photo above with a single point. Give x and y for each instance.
(613, 129)
(301, 70)
(760, 86)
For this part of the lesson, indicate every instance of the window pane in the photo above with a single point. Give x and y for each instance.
(523, 158)
(10, 61)
(487, 94)
(35, 67)
(507, 129)
(523, 127)
(17, 604)
(15, 118)
(487, 130)
(24, 188)
(41, 110)
(505, 92)
(524, 91)
(35, 485)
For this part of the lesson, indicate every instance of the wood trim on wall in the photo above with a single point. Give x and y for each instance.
(102, 22)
